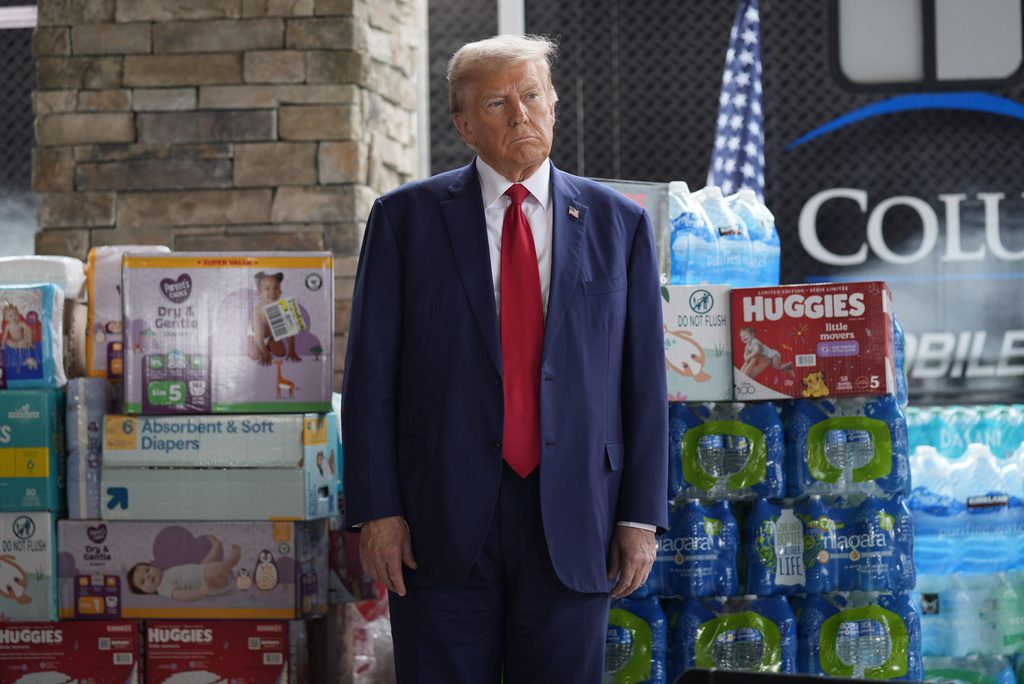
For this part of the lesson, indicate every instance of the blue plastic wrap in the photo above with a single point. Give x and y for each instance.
(88, 400)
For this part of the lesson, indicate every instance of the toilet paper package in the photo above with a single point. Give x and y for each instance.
(228, 332)
(88, 401)
(32, 446)
(32, 336)
(69, 652)
(698, 343)
(67, 273)
(105, 343)
(27, 568)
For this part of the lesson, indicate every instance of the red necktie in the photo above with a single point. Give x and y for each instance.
(522, 332)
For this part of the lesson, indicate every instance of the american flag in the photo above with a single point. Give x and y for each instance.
(738, 158)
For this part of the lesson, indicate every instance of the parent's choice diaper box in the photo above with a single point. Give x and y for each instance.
(698, 349)
(27, 568)
(192, 570)
(225, 467)
(32, 450)
(105, 344)
(31, 336)
(813, 341)
(244, 651)
(71, 652)
(228, 332)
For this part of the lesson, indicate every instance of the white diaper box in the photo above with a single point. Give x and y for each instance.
(28, 568)
(70, 652)
(222, 467)
(698, 342)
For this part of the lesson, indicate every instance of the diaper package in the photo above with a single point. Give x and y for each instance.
(228, 332)
(32, 336)
(32, 450)
(27, 568)
(192, 570)
(740, 633)
(250, 651)
(860, 635)
(846, 446)
(772, 551)
(105, 344)
(698, 344)
(697, 556)
(724, 450)
(59, 652)
(88, 401)
(637, 643)
(67, 273)
(237, 467)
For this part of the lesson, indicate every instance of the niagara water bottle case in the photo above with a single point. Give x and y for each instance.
(636, 643)
(697, 556)
(772, 550)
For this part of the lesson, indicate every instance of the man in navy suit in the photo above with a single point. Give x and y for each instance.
(505, 422)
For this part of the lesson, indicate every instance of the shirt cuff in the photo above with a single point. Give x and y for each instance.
(639, 526)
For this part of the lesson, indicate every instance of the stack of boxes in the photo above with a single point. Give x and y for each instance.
(790, 546)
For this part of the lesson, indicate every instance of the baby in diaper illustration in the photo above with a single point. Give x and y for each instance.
(263, 348)
(189, 581)
(17, 333)
(758, 357)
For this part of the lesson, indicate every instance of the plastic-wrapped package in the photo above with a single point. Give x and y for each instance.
(697, 556)
(88, 401)
(637, 643)
(31, 336)
(772, 552)
(66, 272)
(373, 651)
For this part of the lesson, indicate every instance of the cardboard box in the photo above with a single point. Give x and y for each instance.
(28, 591)
(257, 467)
(93, 652)
(813, 341)
(228, 333)
(698, 346)
(192, 570)
(105, 339)
(32, 336)
(253, 652)
(32, 476)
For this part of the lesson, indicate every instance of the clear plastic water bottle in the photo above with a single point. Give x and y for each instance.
(863, 644)
(900, 357)
(745, 205)
(965, 628)
(695, 257)
(733, 239)
(771, 245)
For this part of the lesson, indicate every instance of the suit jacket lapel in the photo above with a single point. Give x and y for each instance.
(569, 225)
(467, 231)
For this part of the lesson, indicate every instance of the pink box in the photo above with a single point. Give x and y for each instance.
(95, 652)
(250, 651)
(813, 341)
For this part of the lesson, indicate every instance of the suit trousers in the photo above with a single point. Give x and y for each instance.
(511, 620)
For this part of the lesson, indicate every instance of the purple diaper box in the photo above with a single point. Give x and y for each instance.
(228, 332)
(205, 570)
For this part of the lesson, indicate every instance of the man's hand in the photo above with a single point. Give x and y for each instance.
(631, 558)
(384, 545)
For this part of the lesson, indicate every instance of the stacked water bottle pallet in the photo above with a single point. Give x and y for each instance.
(790, 545)
(968, 506)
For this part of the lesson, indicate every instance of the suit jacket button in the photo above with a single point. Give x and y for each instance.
(496, 446)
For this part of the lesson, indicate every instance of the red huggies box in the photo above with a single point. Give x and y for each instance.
(88, 651)
(244, 651)
(813, 341)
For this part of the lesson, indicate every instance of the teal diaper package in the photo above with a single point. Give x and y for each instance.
(32, 476)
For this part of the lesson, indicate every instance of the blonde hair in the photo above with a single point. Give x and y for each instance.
(495, 54)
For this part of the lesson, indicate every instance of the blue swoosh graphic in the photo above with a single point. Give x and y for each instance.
(968, 102)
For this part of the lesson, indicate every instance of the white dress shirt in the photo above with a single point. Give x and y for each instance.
(540, 215)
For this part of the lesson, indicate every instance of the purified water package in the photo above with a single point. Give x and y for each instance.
(772, 552)
(726, 451)
(697, 556)
(637, 641)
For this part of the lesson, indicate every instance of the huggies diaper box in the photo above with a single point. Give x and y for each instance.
(70, 652)
(698, 349)
(192, 570)
(244, 651)
(32, 450)
(105, 344)
(27, 567)
(228, 332)
(31, 336)
(227, 467)
(813, 341)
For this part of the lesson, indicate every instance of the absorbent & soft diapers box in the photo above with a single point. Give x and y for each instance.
(31, 336)
(192, 570)
(49, 653)
(224, 467)
(105, 344)
(250, 651)
(32, 450)
(228, 332)
(698, 348)
(27, 567)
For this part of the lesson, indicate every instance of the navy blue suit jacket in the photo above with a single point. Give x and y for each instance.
(423, 405)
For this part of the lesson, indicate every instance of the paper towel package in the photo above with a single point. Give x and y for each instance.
(192, 570)
(224, 467)
(105, 343)
(69, 652)
(32, 450)
(249, 651)
(88, 401)
(32, 336)
(66, 272)
(228, 332)
(698, 349)
(28, 577)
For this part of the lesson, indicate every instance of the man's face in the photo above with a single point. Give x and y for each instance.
(509, 117)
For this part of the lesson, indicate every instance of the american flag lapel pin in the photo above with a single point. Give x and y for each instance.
(574, 212)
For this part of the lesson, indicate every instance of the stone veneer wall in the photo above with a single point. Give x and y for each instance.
(241, 125)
